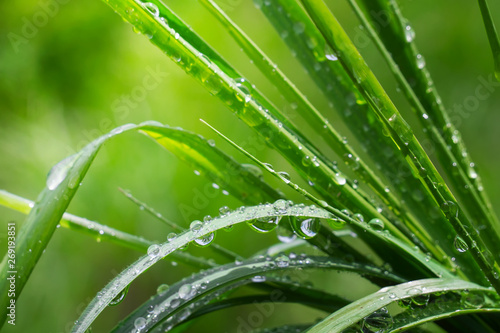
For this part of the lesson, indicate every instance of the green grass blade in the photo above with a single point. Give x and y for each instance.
(415, 297)
(303, 106)
(400, 132)
(213, 163)
(308, 45)
(398, 37)
(184, 47)
(491, 31)
(228, 277)
(253, 214)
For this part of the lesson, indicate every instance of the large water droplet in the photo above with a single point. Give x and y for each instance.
(265, 224)
(59, 172)
(330, 54)
(140, 323)
(205, 240)
(282, 261)
(420, 61)
(152, 8)
(305, 228)
(409, 33)
(376, 224)
(187, 291)
(162, 289)
(120, 297)
(196, 226)
(460, 244)
(378, 321)
(153, 251)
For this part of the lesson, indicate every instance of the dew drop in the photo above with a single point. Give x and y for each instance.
(162, 289)
(305, 228)
(282, 261)
(153, 251)
(378, 321)
(196, 226)
(59, 172)
(460, 244)
(140, 323)
(205, 240)
(120, 297)
(299, 28)
(409, 33)
(187, 291)
(376, 224)
(265, 224)
(330, 54)
(285, 176)
(420, 61)
(152, 8)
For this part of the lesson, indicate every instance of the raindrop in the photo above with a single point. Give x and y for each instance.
(59, 172)
(153, 251)
(120, 297)
(330, 54)
(460, 244)
(409, 33)
(187, 291)
(162, 289)
(196, 226)
(205, 240)
(140, 323)
(376, 224)
(265, 224)
(420, 61)
(305, 228)
(259, 279)
(282, 261)
(359, 217)
(285, 176)
(268, 166)
(224, 210)
(450, 209)
(378, 321)
(299, 28)
(284, 235)
(152, 8)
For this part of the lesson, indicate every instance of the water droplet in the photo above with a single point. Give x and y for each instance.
(305, 228)
(162, 289)
(460, 244)
(282, 261)
(284, 235)
(224, 210)
(359, 217)
(259, 279)
(299, 28)
(285, 176)
(152, 8)
(376, 224)
(409, 33)
(153, 251)
(330, 54)
(171, 236)
(196, 226)
(120, 297)
(59, 172)
(420, 61)
(268, 166)
(265, 224)
(450, 209)
(187, 291)
(140, 323)
(205, 240)
(378, 321)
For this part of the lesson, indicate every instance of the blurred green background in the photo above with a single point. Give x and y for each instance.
(64, 81)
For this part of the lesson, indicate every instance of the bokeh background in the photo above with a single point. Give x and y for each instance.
(62, 85)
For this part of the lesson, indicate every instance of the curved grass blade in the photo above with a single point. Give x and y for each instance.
(62, 183)
(401, 133)
(244, 214)
(357, 224)
(228, 254)
(440, 295)
(210, 161)
(173, 306)
(491, 31)
(450, 149)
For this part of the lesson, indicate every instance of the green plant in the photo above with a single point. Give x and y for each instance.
(424, 274)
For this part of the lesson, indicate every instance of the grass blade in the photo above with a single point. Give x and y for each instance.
(401, 133)
(491, 31)
(439, 293)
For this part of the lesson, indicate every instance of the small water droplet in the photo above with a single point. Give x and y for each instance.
(59, 172)
(154, 250)
(420, 61)
(282, 261)
(187, 291)
(152, 8)
(265, 224)
(376, 224)
(378, 321)
(409, 33)
(162, 289)
(140, 323)
(205, 240)
(460, 244)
